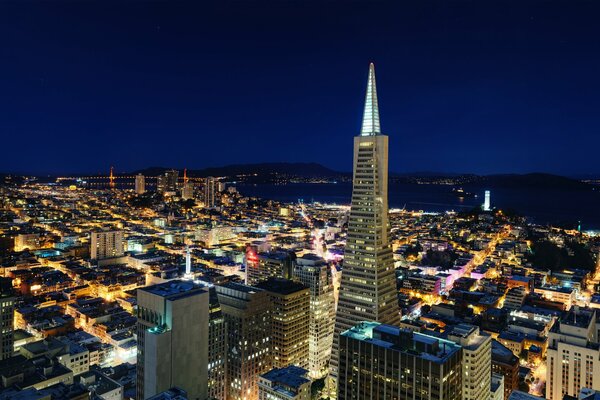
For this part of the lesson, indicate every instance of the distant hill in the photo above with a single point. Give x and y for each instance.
(272, 172)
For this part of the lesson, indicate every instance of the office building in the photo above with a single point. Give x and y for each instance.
(140, 184)
(161, 183)
(313, 272)
(187, 191)
(210, 189)
(290, 383)
(273, 264)
(217, 349)
(477, 360)
(172, 334)
(573, 355)
(247, 311)
(171, 180)
(486, 201)
(368, 285)
(291, 307)
(7, 313)
(106, 244)
(378, 361)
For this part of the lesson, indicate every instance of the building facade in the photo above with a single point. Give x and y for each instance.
(172, 332)
(247, 311)
(477, 360)
(573, 355)
(273, 264)
(7, 314)
(106, 244)
(379, 361)
(291, 308)
(314, 273)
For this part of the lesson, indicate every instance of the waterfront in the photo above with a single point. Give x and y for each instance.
(542, 205)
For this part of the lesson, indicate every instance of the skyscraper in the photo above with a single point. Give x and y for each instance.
(140, 184)
(313, 272)
(368, 284)
(379, 361)
(217, 349)
(477, 360)
(210, 187)
(173, 319)
(291, 307)
(172, 178)
(7, 312)
(248, 312)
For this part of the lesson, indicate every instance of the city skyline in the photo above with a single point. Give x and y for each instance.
(510, 87)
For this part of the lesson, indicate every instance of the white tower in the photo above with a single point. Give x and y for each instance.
(486, 201)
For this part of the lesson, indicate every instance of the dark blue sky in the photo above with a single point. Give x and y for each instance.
(463, 87)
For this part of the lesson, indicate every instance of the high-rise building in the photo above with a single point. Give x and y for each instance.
(172, 178)
(106, 244)
(247, 311)
(217, 349)
(273, 264)
(290, 383)
(313, 272)
(172, 334)
(291, 307)
(368, 285)
(161, 183)
(187, 191)
(573, 355)
(477, 361)
(7, 312)
(486, 201)
(378, 361)
(210, 188)
(140, 184)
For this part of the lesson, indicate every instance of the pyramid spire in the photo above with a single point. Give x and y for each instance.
(370, 125)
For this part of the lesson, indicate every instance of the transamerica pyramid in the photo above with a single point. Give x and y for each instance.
(368, 285)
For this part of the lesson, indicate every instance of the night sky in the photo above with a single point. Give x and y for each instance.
(464, 87)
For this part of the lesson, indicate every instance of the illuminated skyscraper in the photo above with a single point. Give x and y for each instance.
(291, 307)
(140, 184)
(247, 312)
(210, 188)
(368, 285)
(172, 177)
(486, 201)
(314, 273)
(7, 312)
